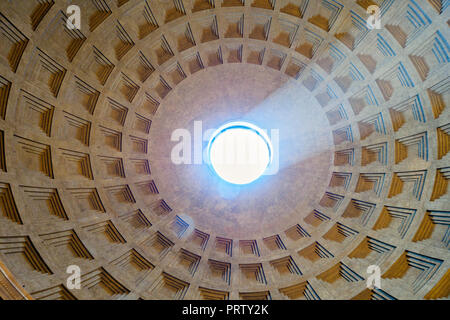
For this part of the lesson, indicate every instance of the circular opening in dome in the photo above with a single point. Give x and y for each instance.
(239, 152)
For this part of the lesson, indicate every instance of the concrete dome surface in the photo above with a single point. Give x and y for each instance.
(91, 113)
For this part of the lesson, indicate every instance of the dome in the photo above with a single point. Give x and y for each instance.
(106, 119)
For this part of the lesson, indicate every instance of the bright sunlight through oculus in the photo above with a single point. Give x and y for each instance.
(240, 152)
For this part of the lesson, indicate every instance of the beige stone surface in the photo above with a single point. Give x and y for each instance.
(86, 177)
